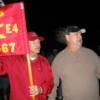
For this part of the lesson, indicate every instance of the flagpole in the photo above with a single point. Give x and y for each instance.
(30, 73)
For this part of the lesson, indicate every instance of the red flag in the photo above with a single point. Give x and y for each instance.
(13, 33)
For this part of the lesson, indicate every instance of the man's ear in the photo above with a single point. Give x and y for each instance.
(67, 37)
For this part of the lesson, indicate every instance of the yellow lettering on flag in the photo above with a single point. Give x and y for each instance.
(1, 13)
(8, 28)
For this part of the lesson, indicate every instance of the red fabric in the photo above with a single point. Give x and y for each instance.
(13, 30)
(16, 68)
(33, 36)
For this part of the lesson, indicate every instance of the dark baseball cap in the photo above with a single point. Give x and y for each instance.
(73, 29)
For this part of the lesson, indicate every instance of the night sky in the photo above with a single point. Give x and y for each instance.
(45, 17)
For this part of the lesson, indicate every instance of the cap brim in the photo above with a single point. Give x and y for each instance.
(34, 38)
(83, 30)
(41, 38)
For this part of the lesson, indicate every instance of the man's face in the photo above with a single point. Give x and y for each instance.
(74, 39)
(35, 46)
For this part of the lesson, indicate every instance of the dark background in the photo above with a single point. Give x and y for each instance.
(45, 17)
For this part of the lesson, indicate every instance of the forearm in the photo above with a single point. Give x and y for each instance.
(47, 87)
(53, 94)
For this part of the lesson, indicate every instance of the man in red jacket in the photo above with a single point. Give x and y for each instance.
(17, 69)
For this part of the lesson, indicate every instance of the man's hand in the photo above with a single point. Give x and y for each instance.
(35, 90)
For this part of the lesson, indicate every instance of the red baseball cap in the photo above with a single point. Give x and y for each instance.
(33, 36)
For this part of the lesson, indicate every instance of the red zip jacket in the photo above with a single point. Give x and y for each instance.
(17, 70)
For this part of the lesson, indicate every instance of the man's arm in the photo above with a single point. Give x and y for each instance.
(53, 94)
(98, 68)
(48, 85)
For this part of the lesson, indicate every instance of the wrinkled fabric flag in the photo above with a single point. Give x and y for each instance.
(13, 32)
